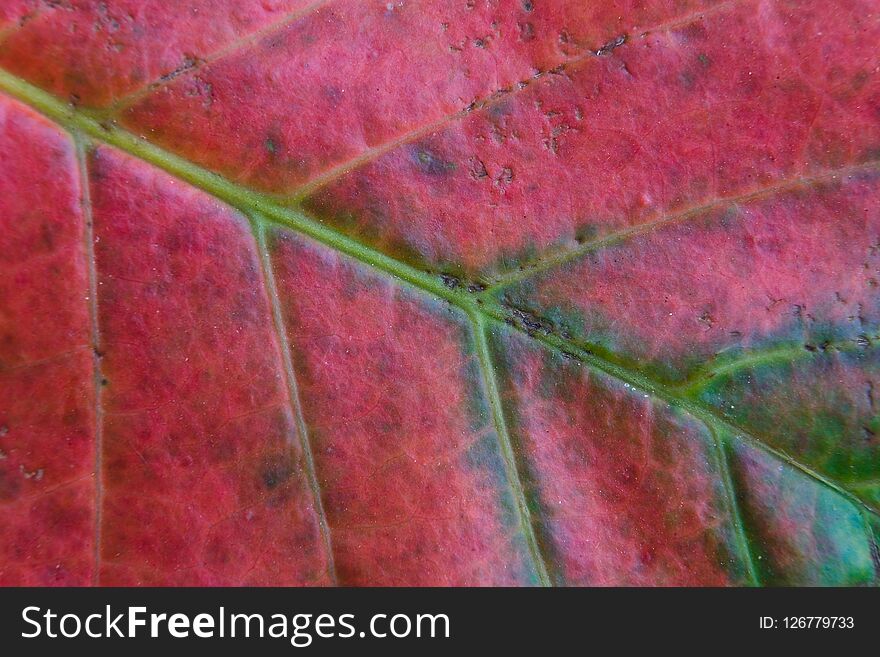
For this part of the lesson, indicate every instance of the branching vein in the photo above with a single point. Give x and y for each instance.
(483, 308)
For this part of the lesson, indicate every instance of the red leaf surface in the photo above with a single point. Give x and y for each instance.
(439, 293)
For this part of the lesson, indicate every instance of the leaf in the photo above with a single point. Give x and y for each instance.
(430, 293)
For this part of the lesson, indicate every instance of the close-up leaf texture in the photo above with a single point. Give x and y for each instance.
(440, 292)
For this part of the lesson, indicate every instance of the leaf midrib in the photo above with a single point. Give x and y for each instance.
(263, 209)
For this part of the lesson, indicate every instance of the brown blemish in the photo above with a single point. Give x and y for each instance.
(610, 46)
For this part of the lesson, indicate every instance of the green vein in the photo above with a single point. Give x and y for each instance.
(670, 395)
(874, 547)
(785, 353)
(293, 393)
(237, 196)
(509, 454)
(94, 329)
(250, 202)
(733, 504)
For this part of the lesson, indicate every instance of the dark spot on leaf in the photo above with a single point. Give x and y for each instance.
(450, 281)
(526, 31)
(430, 163)
(478, 169)
(276, 472)
(189, 63)
(687, 79)
(609, 47)
(9, 485)
(505, 177)
(531, 322)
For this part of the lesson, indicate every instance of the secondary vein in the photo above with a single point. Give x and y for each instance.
(293, 394)
(512, 466)
(94, 329)
(250, 202)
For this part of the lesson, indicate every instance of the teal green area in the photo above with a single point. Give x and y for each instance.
(819, 408)
(801, 532)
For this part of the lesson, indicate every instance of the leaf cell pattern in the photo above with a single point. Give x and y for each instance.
(439, 293)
